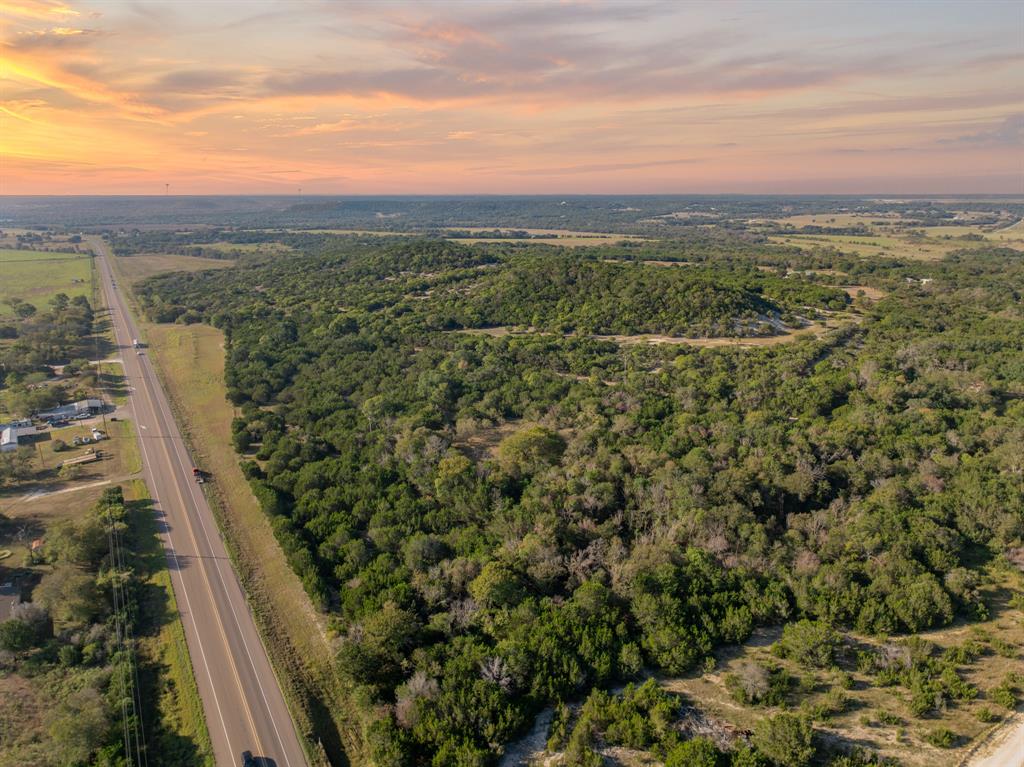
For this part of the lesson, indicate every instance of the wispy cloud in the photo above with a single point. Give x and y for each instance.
(1010, 133)
(44, 10)
(416, 96)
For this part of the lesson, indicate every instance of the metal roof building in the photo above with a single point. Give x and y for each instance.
(11, 433)
(70, 411)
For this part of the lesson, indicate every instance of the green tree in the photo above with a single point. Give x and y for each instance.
(529, 450)
(786, 739)
(696, 752)
(809, 643)
(497, 586)
(78, 726)
(69, 594)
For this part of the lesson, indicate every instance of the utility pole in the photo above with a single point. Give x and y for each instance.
(167, 189)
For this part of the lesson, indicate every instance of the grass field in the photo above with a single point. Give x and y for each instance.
(132, 269)
(112, 382)
(190, 359)
(563, 237)
(248, 247)
(875, 246)
(889, 235)
(37, 276)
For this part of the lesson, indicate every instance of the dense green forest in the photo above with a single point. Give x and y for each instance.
(502, 524)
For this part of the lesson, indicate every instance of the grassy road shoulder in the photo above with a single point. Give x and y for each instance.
(170, 687)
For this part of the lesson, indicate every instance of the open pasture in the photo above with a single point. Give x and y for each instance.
(136, 268)
(37, 276)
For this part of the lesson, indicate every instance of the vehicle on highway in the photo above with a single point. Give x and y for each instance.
(248, 760)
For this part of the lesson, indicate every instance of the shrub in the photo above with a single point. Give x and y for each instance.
(16, 636)
(889, 718)
(756, 685)
(941, 738)
(1004, 696)
(786, 739)
(809, 643)
(1004, 648)
(965, 653)
(986, 715)
(696, 752)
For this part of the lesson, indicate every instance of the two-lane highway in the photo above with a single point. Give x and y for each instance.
(245, 709)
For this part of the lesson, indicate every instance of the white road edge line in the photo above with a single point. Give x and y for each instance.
(169, 548)
(178, 447)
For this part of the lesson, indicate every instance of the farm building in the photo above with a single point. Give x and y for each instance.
(73, 410)
(10, 435)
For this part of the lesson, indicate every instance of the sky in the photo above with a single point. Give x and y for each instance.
(232, 97)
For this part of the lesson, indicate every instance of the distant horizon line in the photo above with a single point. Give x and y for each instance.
(328, 195)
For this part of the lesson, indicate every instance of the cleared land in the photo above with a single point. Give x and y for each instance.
(564, 237)
(869, 246)
(901, 734)
(248, 247)
(812, 329)
(37, 276)
(137, 268)
(33, 507)
(890, 235)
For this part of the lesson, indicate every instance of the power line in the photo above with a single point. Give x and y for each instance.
(133, 727)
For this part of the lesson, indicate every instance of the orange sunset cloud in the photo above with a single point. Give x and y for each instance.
(111, 97)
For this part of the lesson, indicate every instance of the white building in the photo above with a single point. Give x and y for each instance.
(10, 435)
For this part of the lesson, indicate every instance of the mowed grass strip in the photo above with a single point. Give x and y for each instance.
(183, 735)
(112, 382)
(190, 361)
(37, 276)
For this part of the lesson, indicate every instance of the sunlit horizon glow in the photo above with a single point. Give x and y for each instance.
(511, 98)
